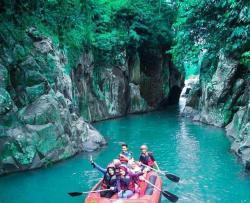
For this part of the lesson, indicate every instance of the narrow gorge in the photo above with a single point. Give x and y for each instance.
(65, 64)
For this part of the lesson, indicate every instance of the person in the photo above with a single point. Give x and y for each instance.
(147, 158)
(125, 183)
(125, 155)
(109, 180)
(134, 168)
(117, 164)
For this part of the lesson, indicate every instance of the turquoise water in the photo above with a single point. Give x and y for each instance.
(199, 154)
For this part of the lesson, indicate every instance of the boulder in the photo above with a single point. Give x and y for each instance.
(94, 140)
(42, 111)
(35, 92)
(44, 45)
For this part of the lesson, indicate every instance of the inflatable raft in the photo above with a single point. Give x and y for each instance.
(147, 194)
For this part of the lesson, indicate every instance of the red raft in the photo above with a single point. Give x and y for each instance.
(148, 194)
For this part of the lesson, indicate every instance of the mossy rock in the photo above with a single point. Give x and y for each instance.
(43, 110)
(33, 77)
(4, 78)
(47, 137)
(35, 92)
(19, 52)
(30, 64)
(6, 103)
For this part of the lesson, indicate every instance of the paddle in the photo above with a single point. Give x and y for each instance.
(74, 194)
(171, 197)
(170, 176)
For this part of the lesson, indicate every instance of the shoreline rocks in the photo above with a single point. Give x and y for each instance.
(38, 121)
(222, 99)
(45, 105)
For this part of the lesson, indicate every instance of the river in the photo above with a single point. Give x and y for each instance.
(198, 153)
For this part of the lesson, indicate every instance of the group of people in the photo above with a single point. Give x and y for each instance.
(124, 175)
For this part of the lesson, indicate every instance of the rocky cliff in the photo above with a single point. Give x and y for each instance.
(221, 97)
(131, 86)
(39, 120)
(45, 106)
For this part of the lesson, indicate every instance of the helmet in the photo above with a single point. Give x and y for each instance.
(116, 162)
(144, 146)
(124, 168)
(111, 166)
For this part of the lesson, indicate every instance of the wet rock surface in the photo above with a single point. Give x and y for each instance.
(45, 106)
(106, 91)
(39, 123)
(222, 99)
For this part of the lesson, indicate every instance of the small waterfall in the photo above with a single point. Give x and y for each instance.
(192, 80)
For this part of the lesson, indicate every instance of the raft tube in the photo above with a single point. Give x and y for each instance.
(147, 194)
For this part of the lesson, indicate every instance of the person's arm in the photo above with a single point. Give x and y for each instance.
(153, 159)
(99, 168)
(125, 157)
(140, 159)
(137, 174)
(130, 155)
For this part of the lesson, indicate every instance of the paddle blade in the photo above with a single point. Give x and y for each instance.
(73, 194)
(172, 177)
(171, 197)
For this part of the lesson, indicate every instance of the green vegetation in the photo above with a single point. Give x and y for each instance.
(189, 28)
(107, 27)
(209, 27)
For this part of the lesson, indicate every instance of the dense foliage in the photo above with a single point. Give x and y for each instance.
(107, 26)
(210, 26)
(130, 25)
(110, 26)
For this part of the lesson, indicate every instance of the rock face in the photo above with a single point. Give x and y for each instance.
(45, 105)
(132, 86)
(39, 122)
(221, 98)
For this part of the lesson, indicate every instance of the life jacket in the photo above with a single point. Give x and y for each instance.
(127, 183)
(136, 180)
(122, 159)
(147, 159)
(108, 181)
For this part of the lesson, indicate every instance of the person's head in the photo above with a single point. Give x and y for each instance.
(132, 164)
(116, 163)
(123, 170)
(144, 148)
(111, 169)
(124, 147)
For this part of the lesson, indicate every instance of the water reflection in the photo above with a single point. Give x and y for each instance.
(188, 149)
(197, 153)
